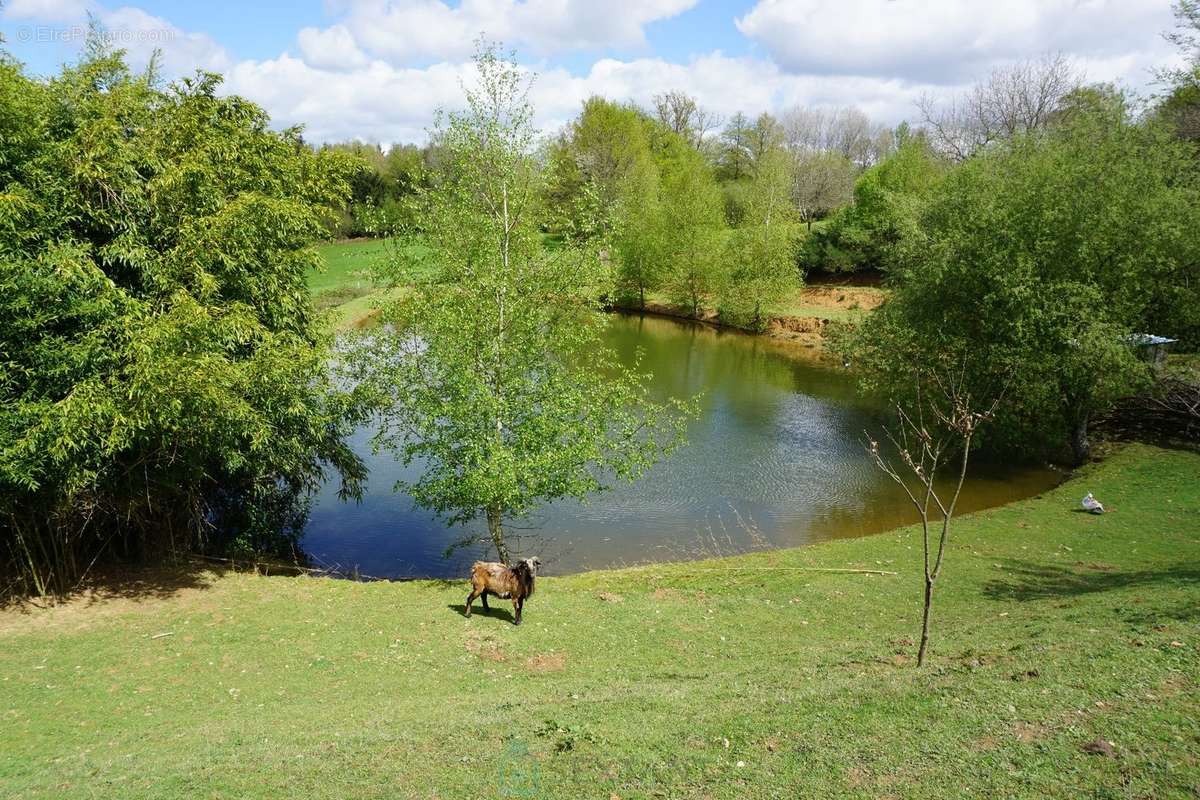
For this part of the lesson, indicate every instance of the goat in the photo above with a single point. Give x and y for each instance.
(491, 577)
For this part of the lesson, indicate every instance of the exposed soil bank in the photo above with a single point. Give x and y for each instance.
(807, 314)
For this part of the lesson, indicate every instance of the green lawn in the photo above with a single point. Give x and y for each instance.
(344, 287)
(751, 677)
(347, 264)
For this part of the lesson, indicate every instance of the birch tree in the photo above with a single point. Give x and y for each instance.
(491, 374)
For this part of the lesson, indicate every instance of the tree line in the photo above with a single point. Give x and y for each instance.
(167, 386)
(1043, 230)
(709, 214)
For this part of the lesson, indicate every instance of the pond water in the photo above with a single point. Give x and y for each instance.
(774, 459)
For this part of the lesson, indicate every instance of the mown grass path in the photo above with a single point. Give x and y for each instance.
(746, 677)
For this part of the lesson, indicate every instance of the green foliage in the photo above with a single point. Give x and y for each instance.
(494, 378)
(380, 185)
(601, 157)
(887, 198)
(639, 237)
(669, 227)
(760, 256)
(693, 230)
(158, 344)
(1033, 262)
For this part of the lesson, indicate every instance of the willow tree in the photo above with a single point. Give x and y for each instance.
(492, 372)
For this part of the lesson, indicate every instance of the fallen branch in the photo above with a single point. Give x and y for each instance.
(779, 569)
(1171, 411)
(265, 567)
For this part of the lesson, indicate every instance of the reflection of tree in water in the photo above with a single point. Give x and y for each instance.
(778, 443)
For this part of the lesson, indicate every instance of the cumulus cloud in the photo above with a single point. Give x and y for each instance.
(949, 41)
(384, 103)
(382, 69)
(138, 33)
(378, 102)
(403, 31)
(181, 52)
(47, 10)
(331, 48)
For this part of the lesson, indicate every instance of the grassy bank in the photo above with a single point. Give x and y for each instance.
(344, 287)
(747, 677)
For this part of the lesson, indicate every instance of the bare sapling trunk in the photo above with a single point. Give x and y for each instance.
(921, 453)
(496, 531)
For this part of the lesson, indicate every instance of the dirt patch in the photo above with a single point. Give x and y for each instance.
(1100, 747)
(664, 593)
(782, 325)
(984, 744)
(857, 777)
(842, 297)
(546, 662)
(609, 597)
(484, 647)
(1030, 732)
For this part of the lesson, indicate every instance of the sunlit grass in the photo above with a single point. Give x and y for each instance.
(758, 676)
(347, 265)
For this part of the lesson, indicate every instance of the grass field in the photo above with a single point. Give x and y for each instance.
(751, 677)
(345, 286)
(347, 264)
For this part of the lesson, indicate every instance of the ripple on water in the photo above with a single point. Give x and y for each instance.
(777, 450)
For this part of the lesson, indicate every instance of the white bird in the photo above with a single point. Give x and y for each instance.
(1091, 504)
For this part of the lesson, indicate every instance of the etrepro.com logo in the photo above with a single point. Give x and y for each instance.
(518, 774)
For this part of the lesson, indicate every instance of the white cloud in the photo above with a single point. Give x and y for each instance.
(403, 31)
(950, 41)
(383, 68)
(126, 28)
(182, 52)
(331, 48)
(377, 102)
(47, 10)
(380, 102)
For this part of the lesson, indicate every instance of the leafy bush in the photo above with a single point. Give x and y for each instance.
(159, 354)
(887, 199)
(1032, 265)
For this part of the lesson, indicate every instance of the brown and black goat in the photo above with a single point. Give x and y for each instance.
(515, 583)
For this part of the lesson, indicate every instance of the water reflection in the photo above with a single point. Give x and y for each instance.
(775, 457)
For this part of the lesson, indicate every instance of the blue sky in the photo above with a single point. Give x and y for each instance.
(377, 69)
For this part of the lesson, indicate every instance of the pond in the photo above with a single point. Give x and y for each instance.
(774, 459)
